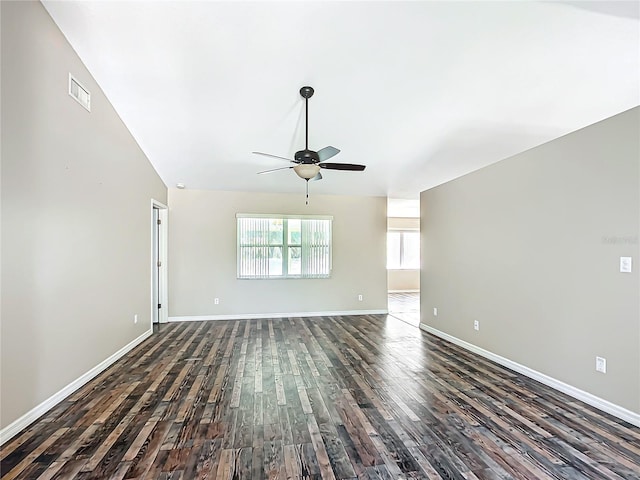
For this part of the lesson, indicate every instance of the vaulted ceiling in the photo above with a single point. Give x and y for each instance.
(420, 92)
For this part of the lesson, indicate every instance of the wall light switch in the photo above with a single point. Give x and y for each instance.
(435, 311)
(625, 264)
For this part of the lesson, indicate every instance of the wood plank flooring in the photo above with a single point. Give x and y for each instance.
(405, 306)
(364, 397)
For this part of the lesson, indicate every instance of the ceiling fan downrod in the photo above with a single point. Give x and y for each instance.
(307, 93)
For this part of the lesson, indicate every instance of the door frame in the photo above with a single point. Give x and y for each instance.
(163, 215)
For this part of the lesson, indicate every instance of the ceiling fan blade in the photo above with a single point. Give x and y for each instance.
(343, 166)
(274, 170)
(274, 156)
(327, 152)
(317, 177)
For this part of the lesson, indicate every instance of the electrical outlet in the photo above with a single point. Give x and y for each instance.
(625, 264)
(135, 318)
(601, 364)
(476, 325)
(359, 298)
(216, 301)
(435, 311)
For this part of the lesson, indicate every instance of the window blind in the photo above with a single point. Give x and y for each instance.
(284, 246)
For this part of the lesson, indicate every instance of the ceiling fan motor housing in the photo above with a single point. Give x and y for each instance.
(306, 156)
(306, 92)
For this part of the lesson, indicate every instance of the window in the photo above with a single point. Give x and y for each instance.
(284, 246)
(403, 250)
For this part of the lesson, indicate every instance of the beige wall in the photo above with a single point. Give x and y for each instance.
(403, 223)
(403, 280)
(202, 255)
(76, 219)
(530, 247)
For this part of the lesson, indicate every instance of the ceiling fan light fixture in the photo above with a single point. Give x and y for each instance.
(306, 170)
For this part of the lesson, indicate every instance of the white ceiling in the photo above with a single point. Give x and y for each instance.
(420, 92)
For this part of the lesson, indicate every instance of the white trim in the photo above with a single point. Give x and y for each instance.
(586, 397)
(405, 291)
(246, 316)
(403, 229)
(32, 415)
(280, 215)
(163, 215)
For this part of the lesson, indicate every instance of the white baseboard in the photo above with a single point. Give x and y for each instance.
(586, 397)
(246, 316)
(404, 291)
(32, 415)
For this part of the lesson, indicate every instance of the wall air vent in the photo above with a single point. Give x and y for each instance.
(79, 93)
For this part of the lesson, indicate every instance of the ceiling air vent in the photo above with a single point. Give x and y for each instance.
(79, 93)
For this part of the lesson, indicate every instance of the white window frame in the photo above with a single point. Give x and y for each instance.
(285, 247)
(401, 259)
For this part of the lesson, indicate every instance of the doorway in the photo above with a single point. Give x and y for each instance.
(403, 260)
(159, 300)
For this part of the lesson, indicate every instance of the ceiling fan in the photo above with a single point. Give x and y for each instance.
(308, 163)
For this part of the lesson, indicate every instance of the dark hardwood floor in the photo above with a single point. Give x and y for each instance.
(326, 397)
